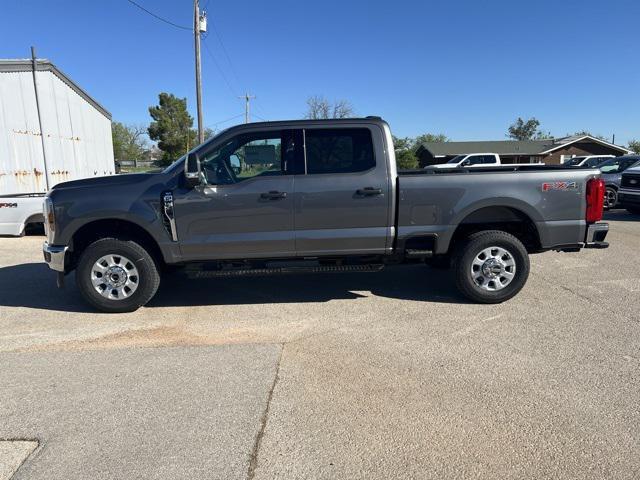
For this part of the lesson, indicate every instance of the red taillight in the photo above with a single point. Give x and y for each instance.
(595, 200)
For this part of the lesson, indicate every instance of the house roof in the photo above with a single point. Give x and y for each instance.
(44, 65)
(511, 147)
(576, 139)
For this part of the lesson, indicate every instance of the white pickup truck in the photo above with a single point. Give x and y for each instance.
(471, 160)
(18, 211)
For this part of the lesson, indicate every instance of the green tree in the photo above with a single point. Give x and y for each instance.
(430, 138)
(406, 160)
(319, 108)
(405, 153)
(526, 130)
(128, 141)
(208, 133)
(406, 148)
(171, 127)
(634, 145)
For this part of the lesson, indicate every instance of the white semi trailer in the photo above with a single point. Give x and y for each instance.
(51, 131)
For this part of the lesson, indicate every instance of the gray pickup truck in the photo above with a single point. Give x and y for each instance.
(314, 196)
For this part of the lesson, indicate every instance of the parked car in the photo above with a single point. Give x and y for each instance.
(314, 196)
(629, 193)
(590, 161)
(612, 175)
(471, 160)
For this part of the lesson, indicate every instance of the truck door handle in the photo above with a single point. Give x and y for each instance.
(273, 195)
(369, 191)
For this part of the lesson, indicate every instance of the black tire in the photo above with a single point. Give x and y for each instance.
(147, 279)
(467, 252)
(610, 197)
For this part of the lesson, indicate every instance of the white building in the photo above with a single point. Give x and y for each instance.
(44, 115)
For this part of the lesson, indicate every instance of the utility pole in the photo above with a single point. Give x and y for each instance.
(34, 67)
(246, 98)
(199, 25)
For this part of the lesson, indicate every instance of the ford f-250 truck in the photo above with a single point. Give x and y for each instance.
(314, 196)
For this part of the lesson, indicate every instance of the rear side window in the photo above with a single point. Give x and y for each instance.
(481, 159)
(343, 150)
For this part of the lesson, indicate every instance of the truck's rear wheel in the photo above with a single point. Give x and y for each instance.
(117, 275)
(491, 266)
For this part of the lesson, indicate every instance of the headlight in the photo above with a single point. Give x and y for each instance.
(49, 217)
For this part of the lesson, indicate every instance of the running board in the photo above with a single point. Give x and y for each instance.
(414, 253)
(248, 272)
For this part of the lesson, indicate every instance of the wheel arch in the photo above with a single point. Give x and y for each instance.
(114, 228)
(499, 217)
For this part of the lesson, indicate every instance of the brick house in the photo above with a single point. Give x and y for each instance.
(552, 151)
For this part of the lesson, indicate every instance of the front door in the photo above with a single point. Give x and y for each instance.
(244, 206)
(343, 199)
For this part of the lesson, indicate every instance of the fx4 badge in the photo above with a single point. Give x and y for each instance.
(559, 186)
(8, 205)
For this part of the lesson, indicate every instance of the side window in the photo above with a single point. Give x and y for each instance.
(475, 160)
(341, 150)
(248, 156)
(489, 159)
(592, 162)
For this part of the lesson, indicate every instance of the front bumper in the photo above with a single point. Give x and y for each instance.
(628, 198)
(55, 256)
(596, 233)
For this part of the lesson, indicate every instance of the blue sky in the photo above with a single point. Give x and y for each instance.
(463, 68)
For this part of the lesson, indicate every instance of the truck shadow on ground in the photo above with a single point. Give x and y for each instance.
(32, 285)
(416, 282)
(620, 216)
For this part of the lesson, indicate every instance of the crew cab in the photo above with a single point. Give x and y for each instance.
(314, 196)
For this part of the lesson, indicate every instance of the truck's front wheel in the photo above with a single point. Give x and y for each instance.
(117, 275)
(491, 266)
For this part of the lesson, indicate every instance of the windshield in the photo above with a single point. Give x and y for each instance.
(178, 162)
(617, 165)
(457, 159)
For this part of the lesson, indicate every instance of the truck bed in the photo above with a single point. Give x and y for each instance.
(520, 167)
(434, 202)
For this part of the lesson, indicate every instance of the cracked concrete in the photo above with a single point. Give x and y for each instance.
(13, 453)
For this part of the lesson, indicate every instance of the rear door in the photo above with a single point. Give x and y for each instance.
(342, 196)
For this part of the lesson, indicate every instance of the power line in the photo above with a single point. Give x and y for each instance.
(257, 104)
(228, 119)
(226, 53)
(224, 77)
(159, 17)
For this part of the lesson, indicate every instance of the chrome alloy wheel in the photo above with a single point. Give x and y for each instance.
(493, 268)
(115, 277)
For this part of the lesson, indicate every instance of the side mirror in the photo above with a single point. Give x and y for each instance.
(466, 163)
(192, 170)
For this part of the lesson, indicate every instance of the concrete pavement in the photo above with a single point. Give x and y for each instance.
(388, 375)
(138, 413)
